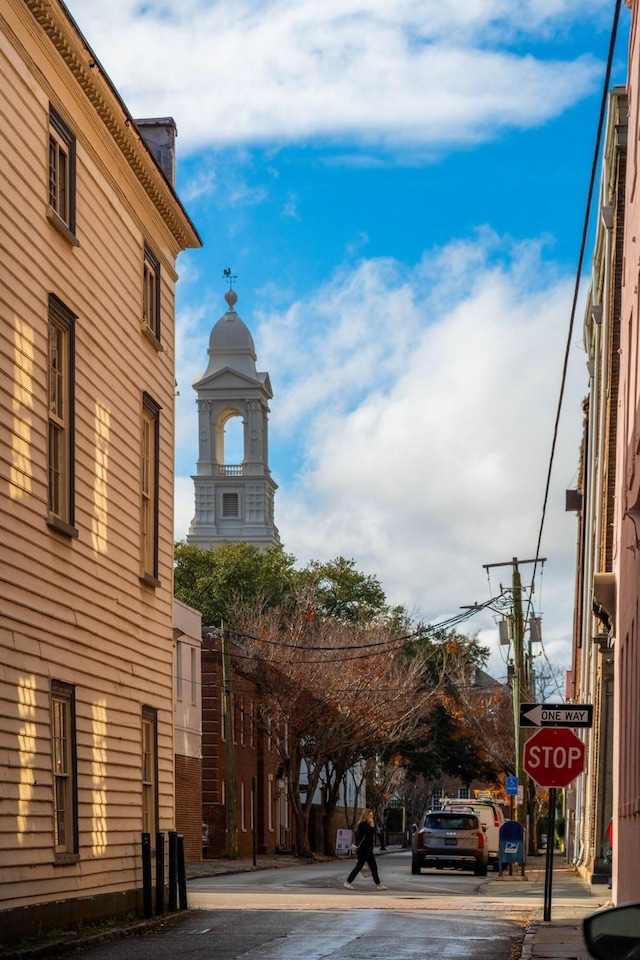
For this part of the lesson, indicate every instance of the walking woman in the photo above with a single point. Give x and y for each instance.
(365, 840)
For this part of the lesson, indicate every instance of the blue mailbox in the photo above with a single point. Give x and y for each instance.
(511, 848)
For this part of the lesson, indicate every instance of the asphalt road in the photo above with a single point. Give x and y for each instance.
(304, 913)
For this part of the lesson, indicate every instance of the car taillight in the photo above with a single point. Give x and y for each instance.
(496, 822)
(480, 840)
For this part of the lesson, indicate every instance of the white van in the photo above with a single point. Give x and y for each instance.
(491, 819)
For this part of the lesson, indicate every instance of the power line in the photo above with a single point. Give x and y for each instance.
(576, 289)
(583, 244)
(392, 642)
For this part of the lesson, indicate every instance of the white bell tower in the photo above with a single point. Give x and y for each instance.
(233, 501)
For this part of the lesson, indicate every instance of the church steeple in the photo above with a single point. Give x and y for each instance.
(233, 501)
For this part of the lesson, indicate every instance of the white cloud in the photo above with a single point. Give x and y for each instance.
(389, 73)
(423, 401)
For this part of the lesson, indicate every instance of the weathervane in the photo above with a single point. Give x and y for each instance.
(229, 277)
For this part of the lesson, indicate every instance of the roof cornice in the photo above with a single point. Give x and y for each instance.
(64, 34)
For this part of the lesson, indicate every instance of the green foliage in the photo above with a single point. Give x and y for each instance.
(446, 746)
(344, 592)
(217, 581)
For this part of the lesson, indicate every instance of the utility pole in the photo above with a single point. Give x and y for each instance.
(520, 689)
(230, 765)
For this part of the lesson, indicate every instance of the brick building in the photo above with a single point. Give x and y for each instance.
(252, 765)
(187, 629)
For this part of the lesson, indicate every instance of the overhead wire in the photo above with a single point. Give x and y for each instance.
(578, 279)
(393, 644)
(415, 634)
(576, 289)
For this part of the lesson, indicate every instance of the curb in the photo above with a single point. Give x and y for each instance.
(529, 940)
(57, 948)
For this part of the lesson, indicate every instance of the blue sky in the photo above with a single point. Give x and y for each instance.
(399, 186)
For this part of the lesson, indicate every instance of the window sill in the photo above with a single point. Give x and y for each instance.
(151, 337)
(62, 227)
(61, 859)
(150, 580)
(61, 526)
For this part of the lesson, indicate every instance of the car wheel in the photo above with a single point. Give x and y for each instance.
(439, 866)
(480, 870)
(415, 866)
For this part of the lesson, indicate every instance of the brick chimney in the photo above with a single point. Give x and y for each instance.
(160, 135)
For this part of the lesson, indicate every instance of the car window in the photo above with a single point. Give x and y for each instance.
(486, 812)
(435, 822)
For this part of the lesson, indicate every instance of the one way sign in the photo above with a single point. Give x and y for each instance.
(556, 715)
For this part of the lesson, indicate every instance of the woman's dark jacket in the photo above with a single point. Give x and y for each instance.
(365, 838)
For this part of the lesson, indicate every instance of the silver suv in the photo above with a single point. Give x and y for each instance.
(446, 838)
(491, 819)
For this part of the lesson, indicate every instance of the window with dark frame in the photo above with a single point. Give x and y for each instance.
(150, 486)
(63, 753)
(62, 172)
(151, 293)
(194, 678)
(179, 646)
(149, 770)
(60, 447)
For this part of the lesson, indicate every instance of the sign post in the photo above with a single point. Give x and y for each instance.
(553, 757)
(511, 784)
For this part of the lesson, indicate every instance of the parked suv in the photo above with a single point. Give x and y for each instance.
(446, 838)
(491, 818)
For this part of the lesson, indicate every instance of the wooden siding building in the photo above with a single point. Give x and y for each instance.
(90, 228)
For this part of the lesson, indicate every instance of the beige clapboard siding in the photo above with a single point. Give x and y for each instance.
(134, 679)
(117, 766)
(70, 623)
(75, 609)
(86, 461)
(19, 113)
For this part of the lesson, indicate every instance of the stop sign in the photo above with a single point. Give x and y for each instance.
(553, 757)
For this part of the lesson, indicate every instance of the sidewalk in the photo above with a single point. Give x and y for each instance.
(216, 868)
(572, 899)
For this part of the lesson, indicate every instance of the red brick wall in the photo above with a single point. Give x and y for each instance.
(188, 773)
(254, 757)
(212, 748)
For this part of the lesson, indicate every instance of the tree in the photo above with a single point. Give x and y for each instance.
(336, 691)
(345, 678)
(549, 680)
(445, 744)
(220, 581)
(345, 593)
(482, 705)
